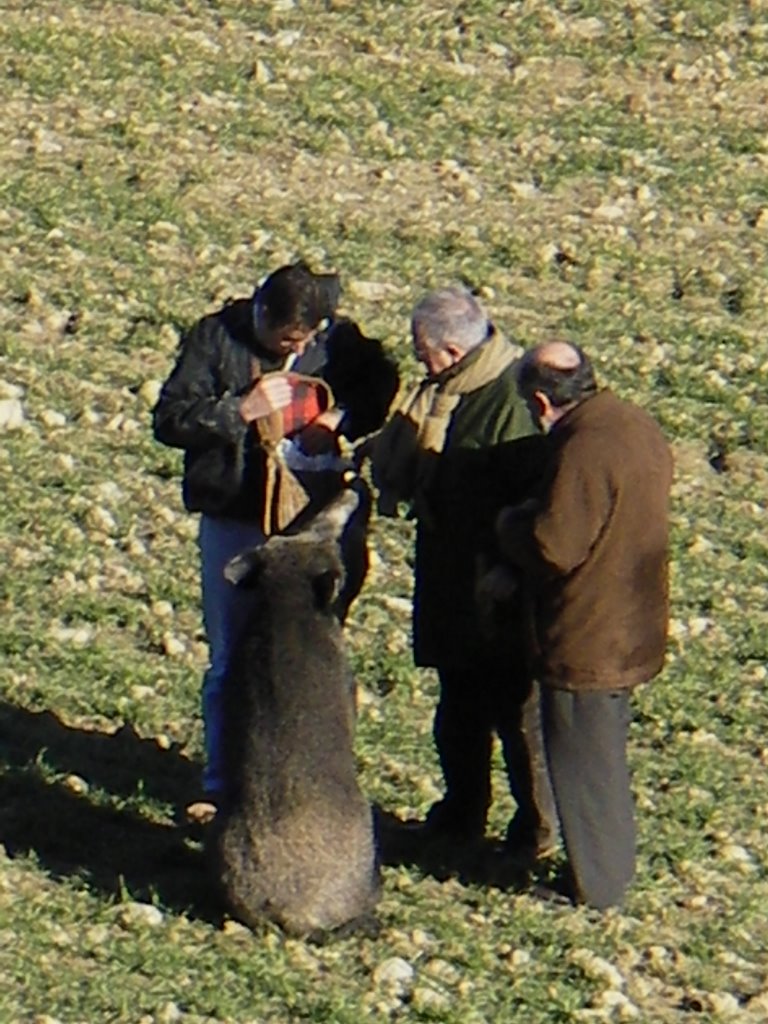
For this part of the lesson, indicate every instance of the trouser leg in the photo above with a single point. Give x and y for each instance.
(462, 732)
(225, 610)
(519, 727)
(585, 737)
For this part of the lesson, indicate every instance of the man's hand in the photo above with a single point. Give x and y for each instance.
(267, 395)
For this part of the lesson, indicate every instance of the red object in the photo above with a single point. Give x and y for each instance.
(309, 398)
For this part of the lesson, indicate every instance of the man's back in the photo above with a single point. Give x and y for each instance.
(602, 610)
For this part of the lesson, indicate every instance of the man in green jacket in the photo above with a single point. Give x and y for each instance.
(594, 553)
(461, 446)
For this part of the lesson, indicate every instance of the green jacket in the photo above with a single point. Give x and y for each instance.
(492, 457)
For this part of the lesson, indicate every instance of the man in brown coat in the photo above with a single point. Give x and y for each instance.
(595, 552)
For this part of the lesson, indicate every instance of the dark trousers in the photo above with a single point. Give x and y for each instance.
(474, 703)
(585, 737)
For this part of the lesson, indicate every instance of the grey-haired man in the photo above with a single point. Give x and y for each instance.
(457, 449)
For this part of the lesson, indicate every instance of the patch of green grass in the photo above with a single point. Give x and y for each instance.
(159, 158)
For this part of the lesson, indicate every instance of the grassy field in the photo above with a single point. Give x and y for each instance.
(596, 170)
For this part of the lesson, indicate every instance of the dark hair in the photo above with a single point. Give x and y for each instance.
(295, 295)
(562, 385)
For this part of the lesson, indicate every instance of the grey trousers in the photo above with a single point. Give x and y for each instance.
(585, 738)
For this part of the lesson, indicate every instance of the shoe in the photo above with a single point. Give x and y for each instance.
(442, 823)
(557, 893)
(529, 844)
(439, 832)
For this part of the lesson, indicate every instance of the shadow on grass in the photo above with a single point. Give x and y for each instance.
(484, 862)
(100, 836)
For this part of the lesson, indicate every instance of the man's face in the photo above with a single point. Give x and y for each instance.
(287, 339)
(435, 359)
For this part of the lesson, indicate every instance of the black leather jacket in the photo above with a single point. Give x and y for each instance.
(198, 407)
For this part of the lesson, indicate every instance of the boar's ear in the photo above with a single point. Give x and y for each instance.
(244, 569)
(325, 587)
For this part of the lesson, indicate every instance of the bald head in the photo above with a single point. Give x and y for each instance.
(553, 377)
(559, 355)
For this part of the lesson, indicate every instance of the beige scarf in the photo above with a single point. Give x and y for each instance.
(405, 450)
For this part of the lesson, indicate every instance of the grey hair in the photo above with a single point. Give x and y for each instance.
(451, 316)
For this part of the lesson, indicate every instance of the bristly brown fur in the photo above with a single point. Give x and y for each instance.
(295, 844)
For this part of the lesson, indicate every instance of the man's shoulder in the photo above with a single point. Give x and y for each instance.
(232, 322)
(613, 430)
(606, 407)
(236, 318)
(494, 414)
(498, 397)
(502, 390)
(635, 417)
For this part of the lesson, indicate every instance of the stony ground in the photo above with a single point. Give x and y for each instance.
(595, 170)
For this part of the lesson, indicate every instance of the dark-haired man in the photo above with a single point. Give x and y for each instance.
(247, 380)
(595, 554)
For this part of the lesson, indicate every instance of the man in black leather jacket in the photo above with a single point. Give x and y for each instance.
(232, 376)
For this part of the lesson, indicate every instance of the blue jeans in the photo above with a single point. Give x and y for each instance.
(225, 613)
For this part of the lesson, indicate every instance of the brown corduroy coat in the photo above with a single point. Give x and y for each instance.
(596, 553)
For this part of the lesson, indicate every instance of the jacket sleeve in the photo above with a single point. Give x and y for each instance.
(193, 411)
(576, 508)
